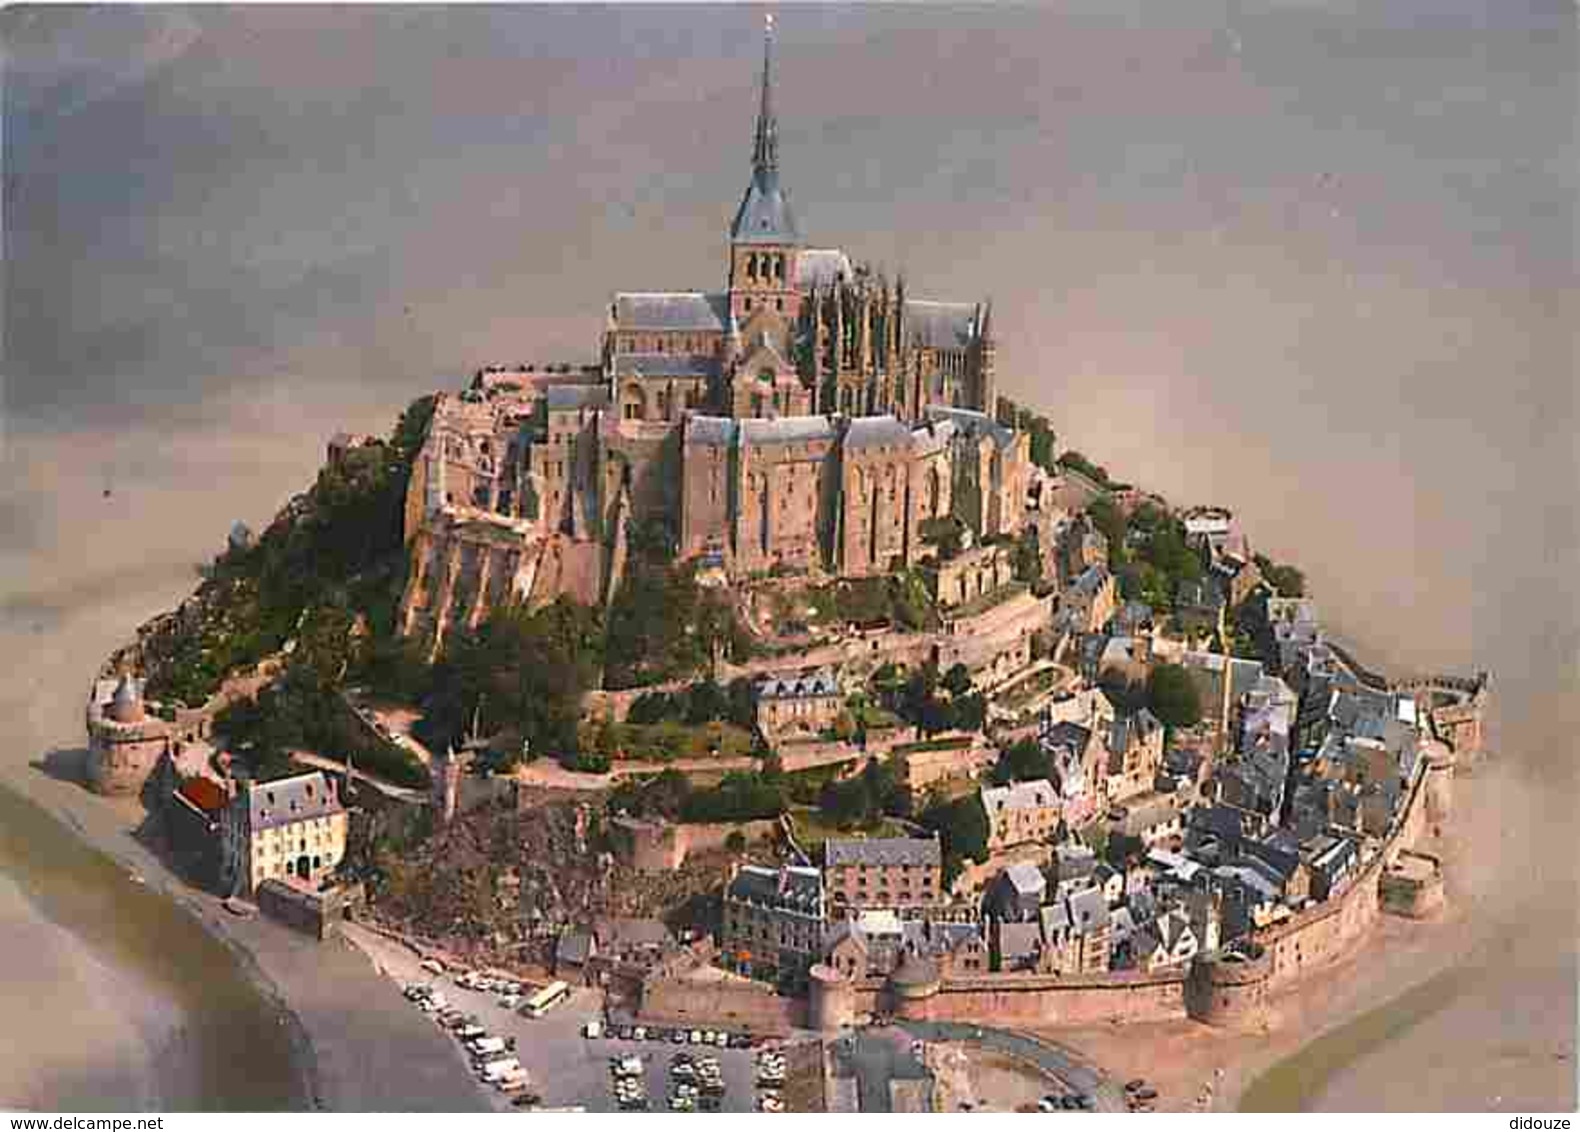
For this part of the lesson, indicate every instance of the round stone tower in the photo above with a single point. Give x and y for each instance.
(912, 983)
(1228, 989)
(831, 1005)
(124, 742)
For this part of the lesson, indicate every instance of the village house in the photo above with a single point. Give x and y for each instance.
(1016, 893)
(1020, 813)
(290, 829)
(874, 944)
(803, 703)
(1135, 754)
(1168, 941)
(904, 874)
(1077, 933)
(1153, 821)
(772, 922)
(1088, 602)
(1084, 547)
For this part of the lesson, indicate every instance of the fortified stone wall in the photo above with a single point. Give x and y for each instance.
(1048, 1000)
(731, 1003)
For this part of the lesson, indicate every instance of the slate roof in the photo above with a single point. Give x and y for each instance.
(940, 326)
(1128, 729)
(926, 937)
(819, 267)
(1248, 879)
(875, 432)
(883, 851)
(566, 398)
(285, 800)
(764, 215)
(785, 430)
(1075, 861)
(1025, 879)
(1067, 734)
(665, 365)
(1090, 580)
(973, 423)
(671, 310)
(794, 887)
(800, 686)
(1019, 941)
(1019, 796)
(1089, 910)
(718, 431)
(1121, 924)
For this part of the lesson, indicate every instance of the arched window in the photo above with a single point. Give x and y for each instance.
(779, 267)
(751, 266)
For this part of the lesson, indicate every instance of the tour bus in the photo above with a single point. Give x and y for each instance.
(546, 999)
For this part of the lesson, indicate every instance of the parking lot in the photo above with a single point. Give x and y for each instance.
(564, 1068)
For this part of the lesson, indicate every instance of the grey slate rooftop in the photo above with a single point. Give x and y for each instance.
(973, 423)
(718, 431)
(764, 216)
(806, 686)
(940, 326)
(565, 398)
(791, 887)
(671, 310)
(282, 801)
(665, 365)
(875, 432)
(883, 851)
(785, 430)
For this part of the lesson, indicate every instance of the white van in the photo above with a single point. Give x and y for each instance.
(481, 1046)
(593, 1029)
(501, 1068)
(628, 1067)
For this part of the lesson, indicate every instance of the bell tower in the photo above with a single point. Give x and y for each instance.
(764, 239)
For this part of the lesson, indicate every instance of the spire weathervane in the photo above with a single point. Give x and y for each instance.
(765, 154)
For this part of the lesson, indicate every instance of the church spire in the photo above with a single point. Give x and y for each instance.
(765, 151)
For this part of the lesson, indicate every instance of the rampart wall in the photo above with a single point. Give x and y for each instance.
(733, 1003)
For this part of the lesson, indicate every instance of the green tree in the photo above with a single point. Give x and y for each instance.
(1172, 696)
(1110, 521)
(957, 680)
(962, 827)
(706, 701)
(1021, 761)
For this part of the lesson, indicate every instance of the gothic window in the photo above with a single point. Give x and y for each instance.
(751, 266)
(779, 266)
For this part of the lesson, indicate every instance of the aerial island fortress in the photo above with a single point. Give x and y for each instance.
(811, 414)
(990, 738)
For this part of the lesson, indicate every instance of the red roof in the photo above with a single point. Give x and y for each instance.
(204, 793)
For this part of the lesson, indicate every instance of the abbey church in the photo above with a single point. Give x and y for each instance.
(811, 416)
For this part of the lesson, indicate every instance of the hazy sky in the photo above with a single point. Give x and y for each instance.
(1313, 261)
